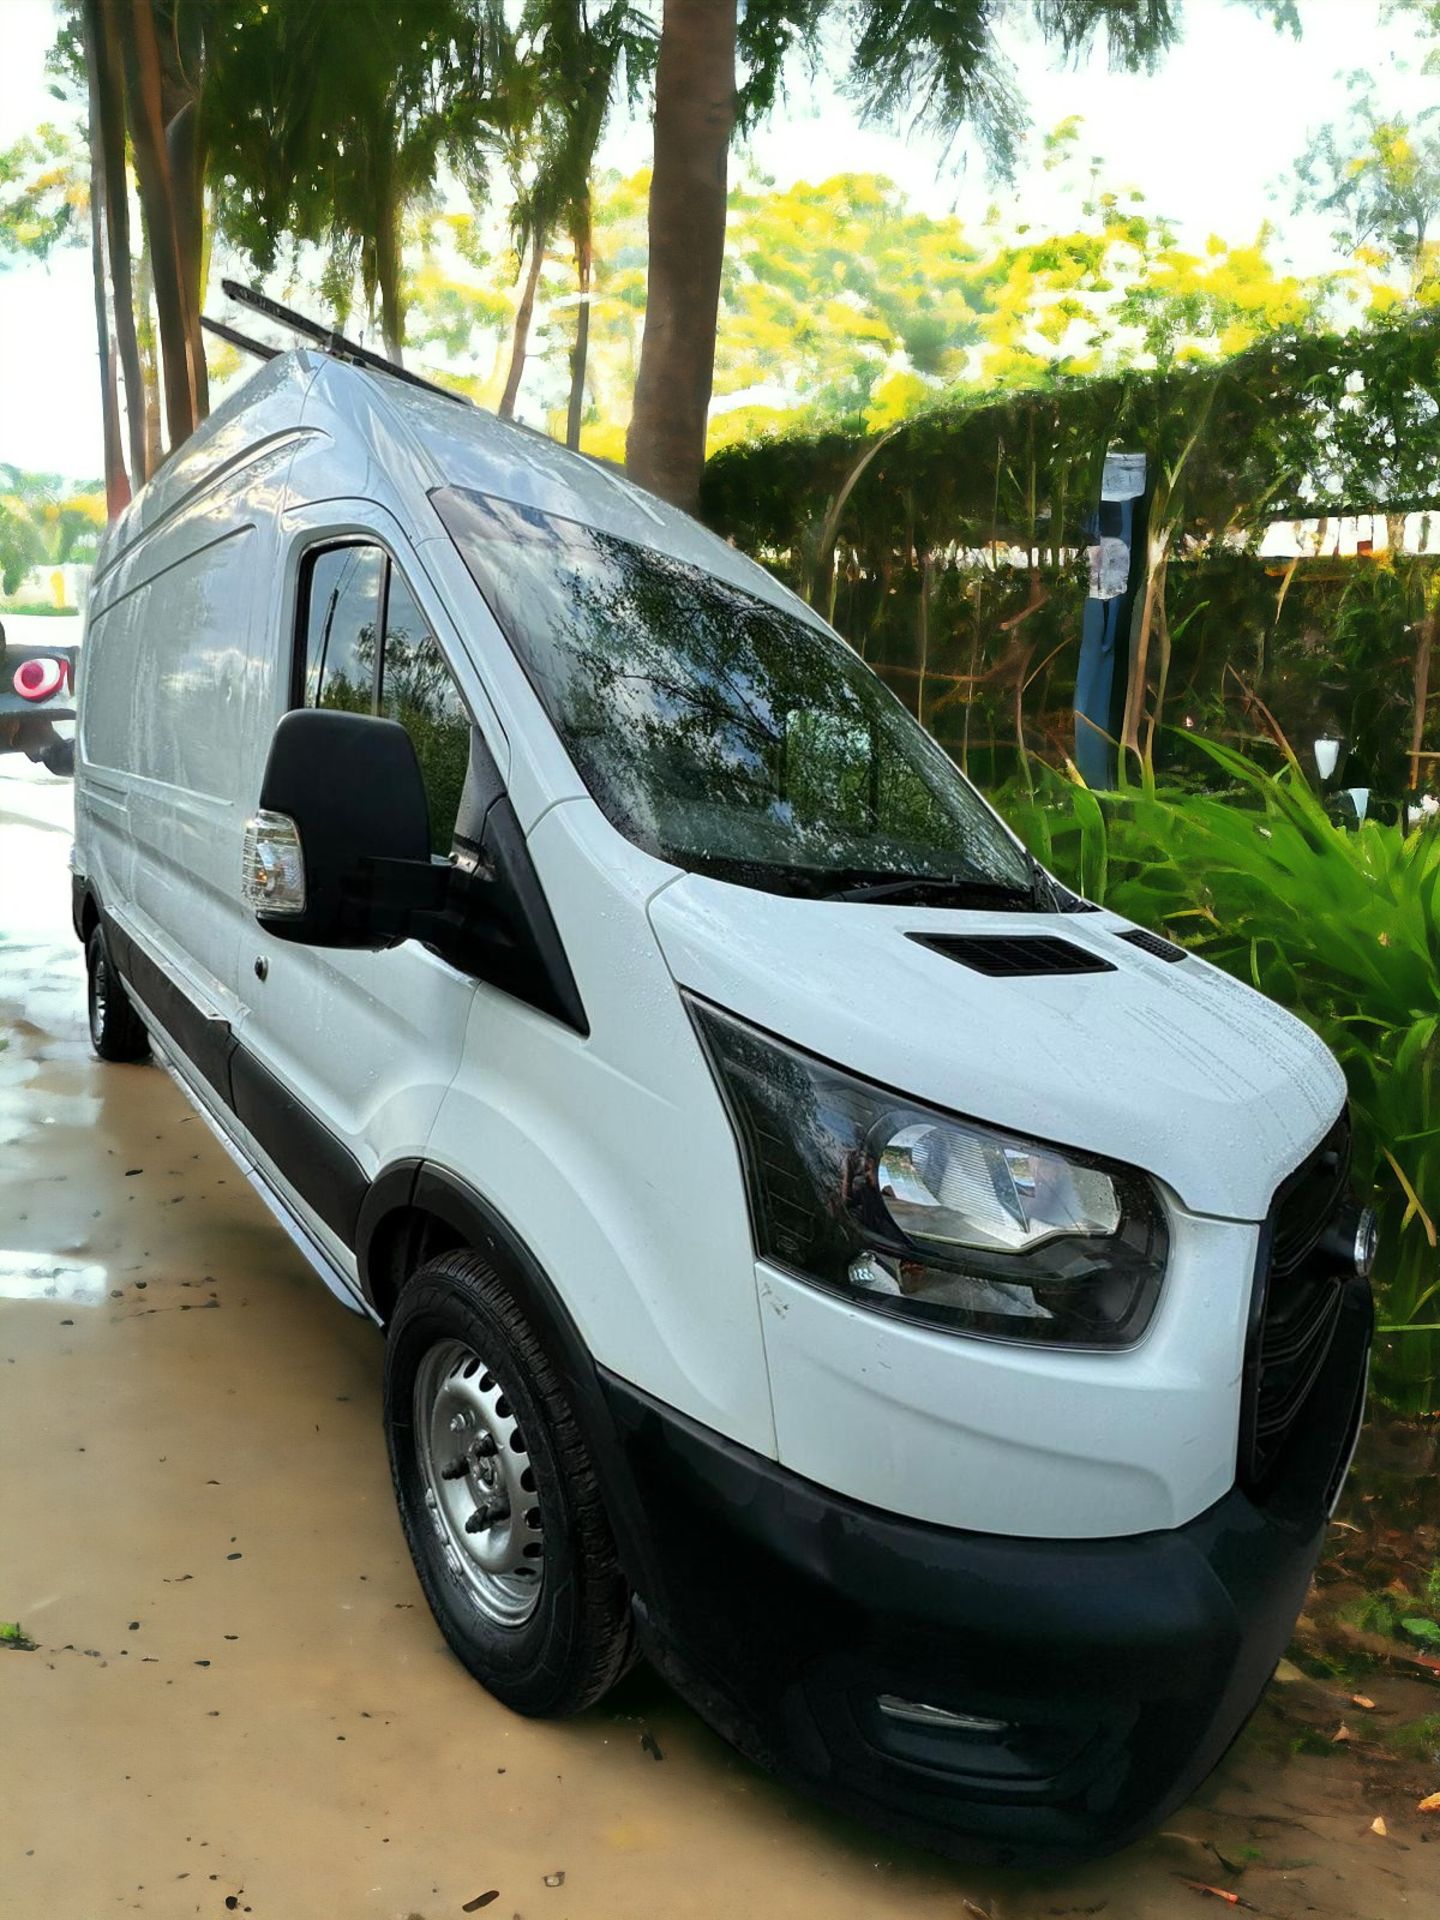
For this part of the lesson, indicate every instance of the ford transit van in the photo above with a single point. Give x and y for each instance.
(922, 1312)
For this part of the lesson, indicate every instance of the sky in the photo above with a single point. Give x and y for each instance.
(1211, 139)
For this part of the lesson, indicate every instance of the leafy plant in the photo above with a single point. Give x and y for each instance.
(1341, 928)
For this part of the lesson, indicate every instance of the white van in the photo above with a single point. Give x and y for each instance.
(921, 1311)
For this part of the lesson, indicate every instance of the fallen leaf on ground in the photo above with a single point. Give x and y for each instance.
(1287, 1673)
(1430, 1804)
(1341, 1734)
(1377, 1825)
(1219, 1893)
(976, 1913)
(1362, 1700)
(481, 1900)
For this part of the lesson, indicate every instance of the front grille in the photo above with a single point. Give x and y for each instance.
(1298, 1296)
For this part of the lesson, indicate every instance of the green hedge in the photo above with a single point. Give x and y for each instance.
(955, 563)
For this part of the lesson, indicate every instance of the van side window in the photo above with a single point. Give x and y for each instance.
(343, 606)
(368, 649)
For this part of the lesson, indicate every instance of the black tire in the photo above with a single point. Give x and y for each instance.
(578, 1641)
(116, 1030)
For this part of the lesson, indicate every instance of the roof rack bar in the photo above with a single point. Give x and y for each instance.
(330, 339)
(237, 339)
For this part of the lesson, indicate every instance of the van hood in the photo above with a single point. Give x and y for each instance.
(1170, 1066)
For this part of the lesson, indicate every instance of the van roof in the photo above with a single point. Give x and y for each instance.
(470, 447)
(444, 443)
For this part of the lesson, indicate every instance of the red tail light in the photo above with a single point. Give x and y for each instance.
(40, 679)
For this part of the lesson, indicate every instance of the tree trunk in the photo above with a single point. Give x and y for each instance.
(157, 202)
(110, 198)
(522, 329)
(388, 268)
(694, 118)
(182, 142)
(117, 481)
(149, 364)
(182, 60)
(580, 353)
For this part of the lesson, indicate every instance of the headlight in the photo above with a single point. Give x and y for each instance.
(916, 1213)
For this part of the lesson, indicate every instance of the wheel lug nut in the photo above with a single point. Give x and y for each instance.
(487, 1515)
(456, 1470)
(484, 1446)
(457, 1423)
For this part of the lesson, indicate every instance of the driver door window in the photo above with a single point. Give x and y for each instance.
(368, 648)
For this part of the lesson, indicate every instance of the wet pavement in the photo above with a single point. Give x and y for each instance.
(237, 1701)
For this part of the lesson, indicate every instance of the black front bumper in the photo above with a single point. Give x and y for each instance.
(1120, 1670)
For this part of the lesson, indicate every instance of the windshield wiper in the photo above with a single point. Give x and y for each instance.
(962, 886)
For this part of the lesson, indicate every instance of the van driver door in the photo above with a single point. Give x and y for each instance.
(342, 1058)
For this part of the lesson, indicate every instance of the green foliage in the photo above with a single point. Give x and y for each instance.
(950, 549)
(1378, 173)
(934, 63)
(1416, 1739)
(44, 193)
(325, 124)
(1341, 928)
(44, 521)
(575, 68)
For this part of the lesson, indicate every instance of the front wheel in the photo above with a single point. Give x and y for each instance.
(116, 1030)
(499, 1496)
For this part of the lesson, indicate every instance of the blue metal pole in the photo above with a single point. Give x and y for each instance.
(1117, 530)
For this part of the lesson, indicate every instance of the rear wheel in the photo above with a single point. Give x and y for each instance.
(116, 1030)
(499, 1496)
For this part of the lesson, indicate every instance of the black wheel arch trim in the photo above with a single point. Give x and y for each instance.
(414, 1187)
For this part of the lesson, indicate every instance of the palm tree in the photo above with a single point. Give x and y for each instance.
(924, 62)
(325, 124)
(574, 68)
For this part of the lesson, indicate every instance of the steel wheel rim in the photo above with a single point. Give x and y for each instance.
(479, 1487)
(99, 997)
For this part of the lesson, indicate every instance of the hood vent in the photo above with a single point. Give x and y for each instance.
(1012, 956)
(1152, 943)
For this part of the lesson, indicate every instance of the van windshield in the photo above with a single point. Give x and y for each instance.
(723, 734)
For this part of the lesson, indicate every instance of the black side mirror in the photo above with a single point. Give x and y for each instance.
(339, 853)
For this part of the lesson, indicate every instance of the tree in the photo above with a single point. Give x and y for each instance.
(581, 65)
(110, 248)
(694, 119)
(44, 522)
(1379, 174)
(326, 124)
(931, 62)
(44, 193)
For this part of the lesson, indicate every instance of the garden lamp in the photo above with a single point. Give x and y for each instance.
(1327, 755)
